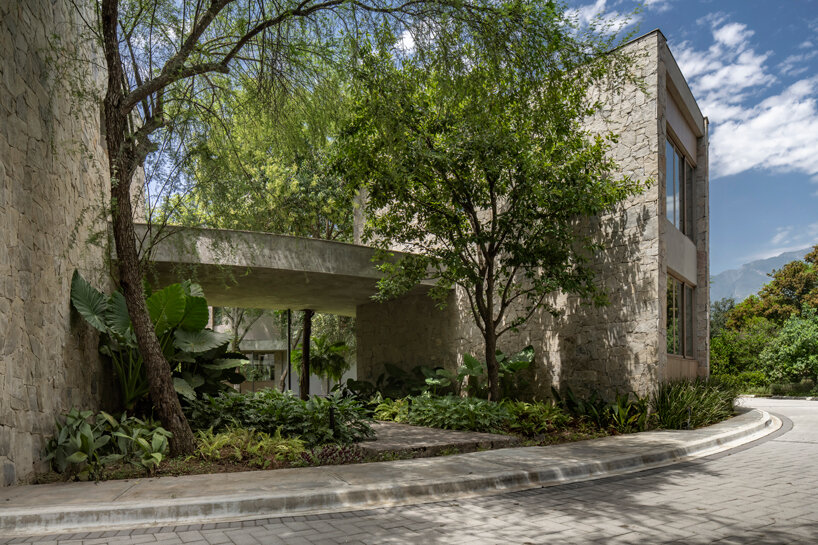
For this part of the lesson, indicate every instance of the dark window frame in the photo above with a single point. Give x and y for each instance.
(680, 176)
(680, 318)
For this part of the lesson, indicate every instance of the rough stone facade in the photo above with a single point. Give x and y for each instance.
(52, 189)
(615, 348)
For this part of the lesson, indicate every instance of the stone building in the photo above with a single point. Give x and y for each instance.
(655, 268)
(53, 188)
(53, 206)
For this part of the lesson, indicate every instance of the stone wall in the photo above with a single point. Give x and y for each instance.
(52, 191)
(607, 349)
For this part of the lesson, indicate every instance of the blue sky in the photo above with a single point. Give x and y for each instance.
(753, 68)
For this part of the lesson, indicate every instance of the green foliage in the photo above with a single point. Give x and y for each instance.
(594, 409)
(719, 311)
(473, 157)
(85, 445)
(472, 376)
(328, 359)
(269, 411)
(395, 383)
(393, 411)
(179, 315)
(533, 419)
(805, 387)
(692, 404)
(625, 414)
(793, 354)
(332, 454)
(744, 381)
(274, 178)
(629, 413)
(77, 448)
(256, 448)
(142, 443)
(457, 413)
(736, 350)
(791, 287)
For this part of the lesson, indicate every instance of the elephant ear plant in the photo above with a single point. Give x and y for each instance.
(179, 315)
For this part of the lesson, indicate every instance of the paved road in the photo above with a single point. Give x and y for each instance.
(761, 494)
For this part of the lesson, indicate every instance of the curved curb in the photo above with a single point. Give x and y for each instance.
(650, 450)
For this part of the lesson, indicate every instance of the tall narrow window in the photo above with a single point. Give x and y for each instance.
(670, 179)
(679, 320)
(679, 196)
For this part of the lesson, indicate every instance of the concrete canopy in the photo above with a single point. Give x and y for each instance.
(262, 270)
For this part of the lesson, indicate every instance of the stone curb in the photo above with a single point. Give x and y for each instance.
(747, 427)
(794, 398)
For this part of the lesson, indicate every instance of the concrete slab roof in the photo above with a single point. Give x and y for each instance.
(262, 270)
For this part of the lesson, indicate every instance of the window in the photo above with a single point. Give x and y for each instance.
(679, 189)
(679, 318)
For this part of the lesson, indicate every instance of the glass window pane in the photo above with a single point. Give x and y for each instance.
(673, 318)
(689, 331)
(679, 318)
(689, 200)
(679, 186)
(670, 159)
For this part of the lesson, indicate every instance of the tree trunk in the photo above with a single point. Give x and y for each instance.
(491, 364)
(305, 356)
(123, 160)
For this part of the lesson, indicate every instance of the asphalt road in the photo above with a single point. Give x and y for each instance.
(762, 493)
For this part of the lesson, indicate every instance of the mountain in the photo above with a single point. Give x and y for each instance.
(747, 280)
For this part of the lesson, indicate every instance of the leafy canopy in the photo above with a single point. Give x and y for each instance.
(473, 155)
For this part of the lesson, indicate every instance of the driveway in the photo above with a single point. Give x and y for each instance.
(762, 493)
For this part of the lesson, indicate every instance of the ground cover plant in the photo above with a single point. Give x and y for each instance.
(271, 430)
(318, 421)
(86, 443)
(692, 404)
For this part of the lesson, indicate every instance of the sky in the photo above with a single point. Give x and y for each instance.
(753, 68)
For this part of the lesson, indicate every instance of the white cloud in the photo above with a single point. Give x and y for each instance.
(788, 239)
(779, 132)
(806, 44)
(600, 17)
(781, 235)
(794, 64)
(406, 41)
(658, 6)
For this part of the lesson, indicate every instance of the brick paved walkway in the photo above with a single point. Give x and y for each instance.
(761, 494)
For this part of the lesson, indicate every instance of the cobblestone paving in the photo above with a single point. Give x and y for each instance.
(761, 494)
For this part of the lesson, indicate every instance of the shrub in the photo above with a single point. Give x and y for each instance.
(733, 351)
(255, 448)
(320, 420)
(85, 444)
(805, 387)
(745, 381)
(393, 411)
(628, 414)
(458, 413)
(793, 354)
(692, 404)
(593, 409)
(533, 419)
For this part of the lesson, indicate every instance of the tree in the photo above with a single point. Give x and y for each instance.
(736, 350)
(791, 287)
(718, 315)
(240, 321)
(473, 157)
(274, 176)
(793, 354)
(164, 59)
